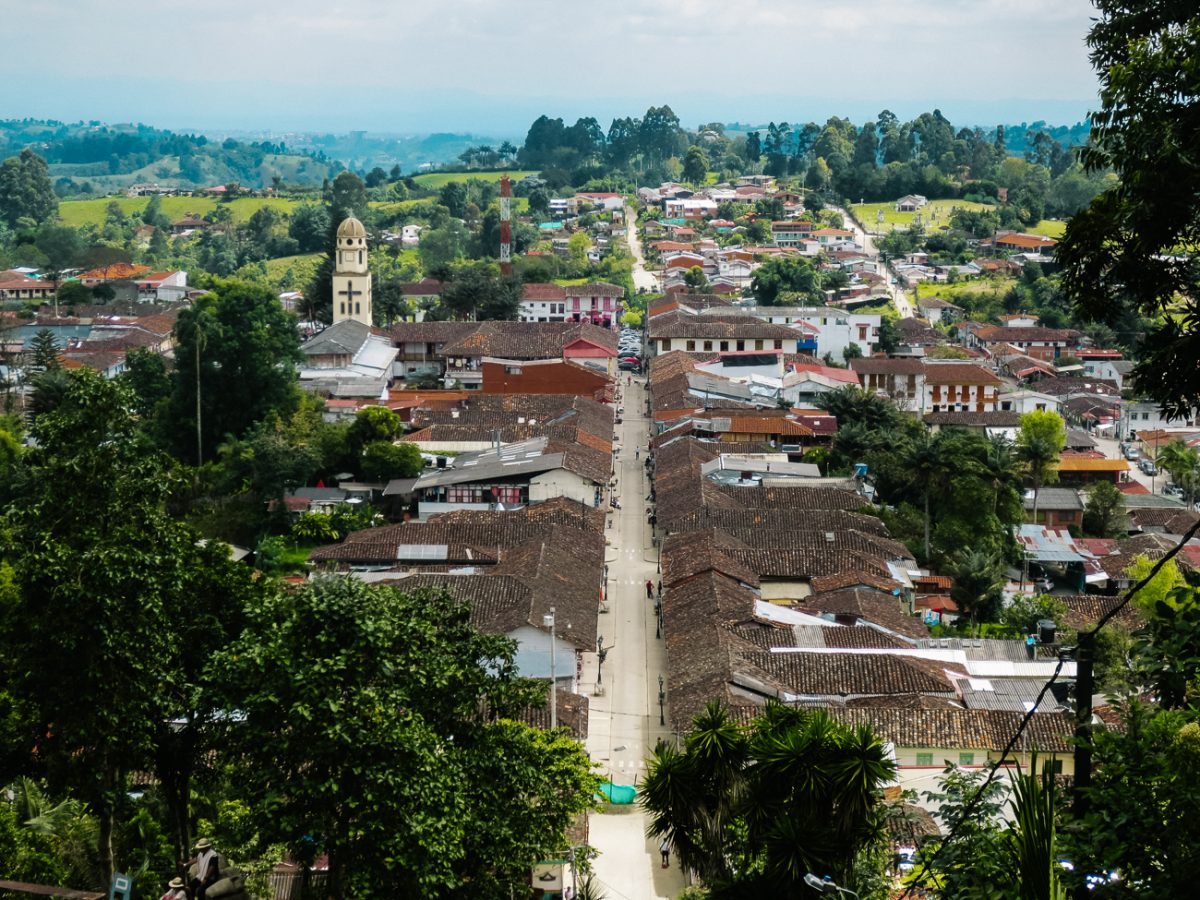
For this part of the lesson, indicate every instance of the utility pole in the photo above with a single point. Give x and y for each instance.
(505, 227)
(663, 700)
(548, 622)
(1085, 652)
(199, 439)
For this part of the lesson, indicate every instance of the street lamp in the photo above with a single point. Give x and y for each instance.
(662, 699)
(548, 622)
(826, 885)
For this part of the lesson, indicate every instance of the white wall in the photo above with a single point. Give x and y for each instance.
(561, 483)
(533, 656)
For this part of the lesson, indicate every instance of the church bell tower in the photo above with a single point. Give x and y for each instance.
(351, 277)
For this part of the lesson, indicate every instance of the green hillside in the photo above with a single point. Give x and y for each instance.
(91, 212)
(436, 180)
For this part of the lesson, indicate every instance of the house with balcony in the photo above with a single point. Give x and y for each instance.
(596, 302)
(581, 342)
(902, 380)
(511, 476)
(420, 346)
(792, 232)
(953, 386)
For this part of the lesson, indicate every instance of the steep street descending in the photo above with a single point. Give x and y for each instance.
(903, 303)
(642, 279)
(624, 720)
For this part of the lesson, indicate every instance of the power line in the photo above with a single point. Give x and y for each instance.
(969, 809)
(927, 865)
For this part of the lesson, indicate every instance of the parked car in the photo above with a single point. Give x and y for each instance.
(1131, 453)
(1173, 490)
(1147, 466)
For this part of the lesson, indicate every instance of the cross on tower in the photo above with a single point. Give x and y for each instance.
(350, 293)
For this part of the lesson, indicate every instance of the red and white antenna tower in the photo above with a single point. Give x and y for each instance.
(505, 226)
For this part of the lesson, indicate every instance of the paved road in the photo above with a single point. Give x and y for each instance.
(1112, 450)
(900, 298)
(643, 279)
(624, 722)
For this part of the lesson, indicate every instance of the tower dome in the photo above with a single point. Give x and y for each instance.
(351, 228)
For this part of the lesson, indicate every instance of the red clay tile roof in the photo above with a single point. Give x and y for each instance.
(539, 291)
(958, 373)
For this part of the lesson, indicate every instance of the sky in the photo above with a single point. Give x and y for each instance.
(486, 67)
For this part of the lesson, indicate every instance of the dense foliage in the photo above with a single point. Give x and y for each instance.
(757, 807)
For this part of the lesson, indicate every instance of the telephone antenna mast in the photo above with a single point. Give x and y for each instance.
(505, 226)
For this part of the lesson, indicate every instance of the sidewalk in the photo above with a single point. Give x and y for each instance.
(623, 724)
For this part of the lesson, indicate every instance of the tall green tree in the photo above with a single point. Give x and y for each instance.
(90, 641)
(412, 790)
(695, 165)
(43, 352)
(1183, 462)
(244, 347)
(1144, 805)
(25, 190)
(780, 276)
(1122, 252)
(1104, 515)
(1040, 441)
(758, 808)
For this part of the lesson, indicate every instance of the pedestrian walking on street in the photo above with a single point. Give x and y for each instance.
(665, 849)
(649, 589)
(637, 453)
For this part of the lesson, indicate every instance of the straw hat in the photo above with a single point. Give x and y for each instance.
(175, 882)
(203, 844)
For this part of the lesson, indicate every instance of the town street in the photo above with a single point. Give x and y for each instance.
(624, 720)
(899, 297)
(642, 279)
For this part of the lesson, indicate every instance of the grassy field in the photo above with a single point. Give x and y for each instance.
(436, 180)
(936, 213)
(1051, 228)
(76, 213)
(949, 292)
(303, 268)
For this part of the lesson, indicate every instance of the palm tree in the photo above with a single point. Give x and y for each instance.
(796, 792)
(1000, 467)
(1039, 456)
(693, 795)
(1183, 462)
(929, 463)
(978, 576)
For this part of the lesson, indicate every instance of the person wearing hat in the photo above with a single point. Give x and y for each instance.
(208, 868)
(175, 890)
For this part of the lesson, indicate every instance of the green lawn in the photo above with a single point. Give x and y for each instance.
(76, 213)
(436, 180)
(1051, 228)
(935, 214)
